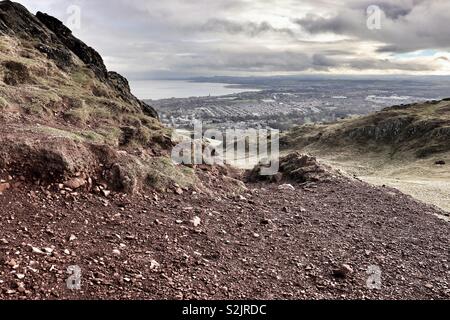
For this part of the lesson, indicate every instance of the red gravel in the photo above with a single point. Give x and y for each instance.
(265, 244)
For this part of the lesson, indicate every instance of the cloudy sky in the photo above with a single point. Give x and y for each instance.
(172, 38)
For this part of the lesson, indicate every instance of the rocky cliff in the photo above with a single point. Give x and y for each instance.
(64, 115)
(52, 38)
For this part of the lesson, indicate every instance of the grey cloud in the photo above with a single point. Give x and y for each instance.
(261, 61)
(250, 29)
(443, 58)
(391, 48)
(392, 9)
(322, 62)
(374, 64)
(316, 24)
(406, 25)
(255, 60)
(147, 37)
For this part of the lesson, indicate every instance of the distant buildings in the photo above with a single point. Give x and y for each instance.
(279, 109)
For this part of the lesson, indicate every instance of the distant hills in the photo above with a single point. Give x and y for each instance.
(419, 130)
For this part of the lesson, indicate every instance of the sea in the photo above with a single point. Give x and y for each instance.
(166, 89)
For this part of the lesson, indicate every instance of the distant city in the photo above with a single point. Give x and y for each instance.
(283, 102)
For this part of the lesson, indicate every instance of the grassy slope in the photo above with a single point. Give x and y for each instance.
(74, 101)
(49, 108)
(397, 147)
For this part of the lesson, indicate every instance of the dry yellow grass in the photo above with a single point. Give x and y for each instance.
(396, 147)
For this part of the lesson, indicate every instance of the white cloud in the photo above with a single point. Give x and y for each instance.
(146, 37)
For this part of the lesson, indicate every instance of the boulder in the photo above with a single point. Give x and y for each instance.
(4, 187)
(295, 167)
(75, 183)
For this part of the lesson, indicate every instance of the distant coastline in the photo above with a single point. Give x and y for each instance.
(166, 89)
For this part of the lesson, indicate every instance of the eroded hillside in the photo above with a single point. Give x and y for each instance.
(64, 116)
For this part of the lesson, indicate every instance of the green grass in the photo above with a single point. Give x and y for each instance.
(54, 132)
(52, 90)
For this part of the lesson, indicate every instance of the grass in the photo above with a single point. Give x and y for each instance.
(396, 132)
(58, 133)
(3, 103)
(78, 116)
(103, 137)
(41, 92)
(163, 173)
(83, 99)
(16, 73)
(110, 134)
(82, 76)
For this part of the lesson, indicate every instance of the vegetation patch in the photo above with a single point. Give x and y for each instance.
(3, 103)
(16, 73)
(163, 173)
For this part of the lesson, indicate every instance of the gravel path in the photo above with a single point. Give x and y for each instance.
(317, 241)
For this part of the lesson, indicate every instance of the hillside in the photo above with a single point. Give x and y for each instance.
(417, 130)
(407, 147)
(87, 184)
(64, 116)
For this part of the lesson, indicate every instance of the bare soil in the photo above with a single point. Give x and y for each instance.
(266, 243)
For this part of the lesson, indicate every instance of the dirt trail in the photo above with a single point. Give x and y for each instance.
(265, 244)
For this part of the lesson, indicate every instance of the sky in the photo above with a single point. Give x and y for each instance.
(148, 39)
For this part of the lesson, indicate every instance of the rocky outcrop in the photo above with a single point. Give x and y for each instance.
(65, 120)
(421, 129)
(17, 21)
(86, 54)
(388, 129)
(51, 37)
(16, 73)
(298, 168)
(304, 168)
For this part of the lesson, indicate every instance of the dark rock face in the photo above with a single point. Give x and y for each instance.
(148, 110)
(62, 58)
(16, 20)
(86, 54)
(386, 130)
(120, 83)
(51, 37)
